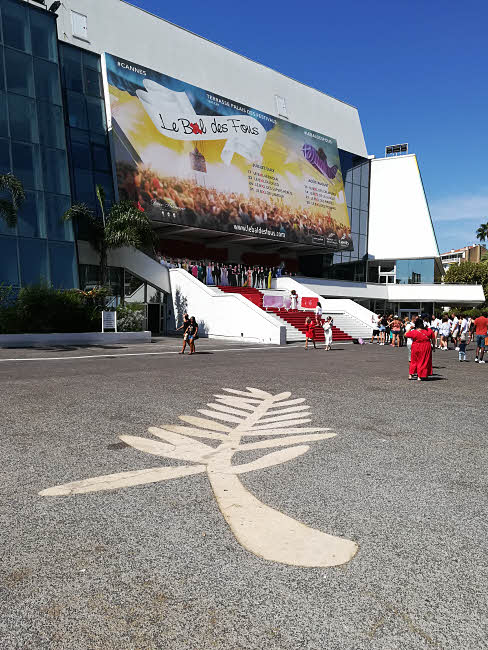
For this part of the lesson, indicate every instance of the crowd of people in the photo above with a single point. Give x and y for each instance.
(206, 207)
(223, 275)
(424, 333)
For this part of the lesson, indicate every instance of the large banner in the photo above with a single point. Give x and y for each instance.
(188, 156)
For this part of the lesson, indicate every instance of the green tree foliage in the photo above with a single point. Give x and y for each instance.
(9, 207)
(44, 310)
(468, 273)
(123, 225)
(482, 232)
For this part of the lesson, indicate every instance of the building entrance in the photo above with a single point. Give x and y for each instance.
(154, 319)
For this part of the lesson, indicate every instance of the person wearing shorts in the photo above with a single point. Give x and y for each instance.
(481, 331)
(192, 334)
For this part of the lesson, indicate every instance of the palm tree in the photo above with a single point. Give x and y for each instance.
(123, 225)
(482, 232)
(9, 208)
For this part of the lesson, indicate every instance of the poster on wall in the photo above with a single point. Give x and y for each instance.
(187, 156)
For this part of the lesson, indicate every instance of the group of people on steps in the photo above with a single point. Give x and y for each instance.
(226, 275)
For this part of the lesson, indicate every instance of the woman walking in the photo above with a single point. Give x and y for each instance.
(421, 361)
(444, 331)
(309, 332)
(396, 330)
(184, 326)
(192, 334)
(318, 314)
(328, 333)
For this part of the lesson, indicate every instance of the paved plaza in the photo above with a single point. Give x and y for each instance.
(164, 564)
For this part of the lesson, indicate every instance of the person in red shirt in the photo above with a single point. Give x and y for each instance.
(421, 359)
(481, 331)
(309, 332)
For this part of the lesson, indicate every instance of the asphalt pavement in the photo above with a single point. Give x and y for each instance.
(156, 566)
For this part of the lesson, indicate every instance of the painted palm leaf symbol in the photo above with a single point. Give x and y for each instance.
(231, 423)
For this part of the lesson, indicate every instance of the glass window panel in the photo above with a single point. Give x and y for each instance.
(9, 265)
(4, 229)
(56, 206)
(98, 138)
(354, 219)
(96, 114)
(48, 86)
(364, 198)
(20, 74)
(91, 60)
(78, 117)
(365, 175)
(15, 26)
(355, 241)
(71, 66)
(4, 154)
(3, 115)
(2, 77)
(106, 181)
(348, 189)
(346, 164)
(415, 271)
(23, 118)
(79, 136)
(93, 82)
(362, 246)
(84, 187)
(80, 155)
(43, 35)
(356, 175)
(26, 164)
(33, 261)
(51, 125)
(356, 196)
(56, 176)
(62, 260)
(31, 216)
(101, 160)
(363, 222)
(337, 258)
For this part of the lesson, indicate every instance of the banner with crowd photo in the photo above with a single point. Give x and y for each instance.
(191, 157)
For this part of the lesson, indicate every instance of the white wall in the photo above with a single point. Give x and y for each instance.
(444, 294)
(399, 220)
(223, 315)
(131, 259)
(121, 29)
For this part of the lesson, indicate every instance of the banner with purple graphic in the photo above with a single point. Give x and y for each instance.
(189, 156)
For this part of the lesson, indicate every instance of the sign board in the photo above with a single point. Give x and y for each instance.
(188, 156)
(109, 320)
(309, 303)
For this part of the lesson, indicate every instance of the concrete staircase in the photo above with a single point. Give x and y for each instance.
(294, 320)
(349, 324)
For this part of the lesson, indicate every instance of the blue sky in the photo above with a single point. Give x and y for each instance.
(416, 70)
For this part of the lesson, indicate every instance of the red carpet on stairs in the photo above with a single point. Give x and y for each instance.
(254, 295)
(295, 318)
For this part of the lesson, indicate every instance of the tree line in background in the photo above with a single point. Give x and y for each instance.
(472, 272)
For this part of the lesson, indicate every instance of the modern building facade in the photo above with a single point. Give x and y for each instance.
(473, 253)
(60, 134)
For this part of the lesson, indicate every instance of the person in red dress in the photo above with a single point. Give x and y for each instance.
(421, 361)
(309, 332)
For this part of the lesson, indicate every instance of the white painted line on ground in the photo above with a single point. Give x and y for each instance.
(140, 354)
(145, 354)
